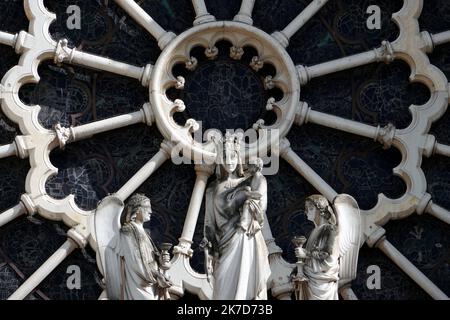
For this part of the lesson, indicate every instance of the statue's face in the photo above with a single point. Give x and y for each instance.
(146, 210)
(312, 212)
(253, 168)
(231, 160)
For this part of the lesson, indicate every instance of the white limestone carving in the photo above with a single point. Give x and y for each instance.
(85, 131)
(236, 53)
(269, 84)
(385, 53)
(64, 54)
(142, 18)
(295, 25)
(202, 14)
(245, 13)
(414, 142)
(330, 257)
(191, 63)
(179, 83)
(257, 63)
(378, 239)
(207, 35)
(76, 238)
(133, 267)
(63, 135)
(236, 253)
(211, 52)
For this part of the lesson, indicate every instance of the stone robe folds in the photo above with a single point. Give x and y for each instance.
(241, 266)
(132, 271)
(323, 275)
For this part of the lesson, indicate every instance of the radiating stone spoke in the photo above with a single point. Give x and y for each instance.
(25, 206)
(146, 171)
(440, 38)
(385, 53)
(415, 274)
(12, 214)
(73, 56)
(286, 34)
(442, 149)
(384, 135)
(201, 12)
(85, 131)
(438, 212)
(76, 239)
(8, 150)
(306, 171)
(8, 39)
(37, 46)
(203, 173)
(146, 21)
(245, 12)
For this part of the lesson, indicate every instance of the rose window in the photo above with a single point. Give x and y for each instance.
(106, 106)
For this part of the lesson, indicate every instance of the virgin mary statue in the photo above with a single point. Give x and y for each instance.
(235, 207)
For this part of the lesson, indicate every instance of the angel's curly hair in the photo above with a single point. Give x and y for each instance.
(133, 204)
(322, 204)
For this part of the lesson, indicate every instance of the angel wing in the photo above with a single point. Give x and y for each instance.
(210, 222)
(349, 225)
(107, 226)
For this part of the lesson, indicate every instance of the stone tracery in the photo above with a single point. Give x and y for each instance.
(414, 141)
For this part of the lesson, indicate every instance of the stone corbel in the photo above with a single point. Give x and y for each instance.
(25, 206)
(63, 53)
(385, 53)
(269, 83)
(212, 52)
(191, 64)
(179, 83)
(256, 63)
(385, 135)
(63, 135)
(236, 53)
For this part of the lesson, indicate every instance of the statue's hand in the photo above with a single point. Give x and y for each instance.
(320, 255)
(301, 253)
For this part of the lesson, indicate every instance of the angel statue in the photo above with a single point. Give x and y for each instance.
(330, 257)
(133, 267)
(235, 249)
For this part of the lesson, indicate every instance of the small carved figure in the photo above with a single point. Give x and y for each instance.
(252, 215)
(331, 254)
(133, 267)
